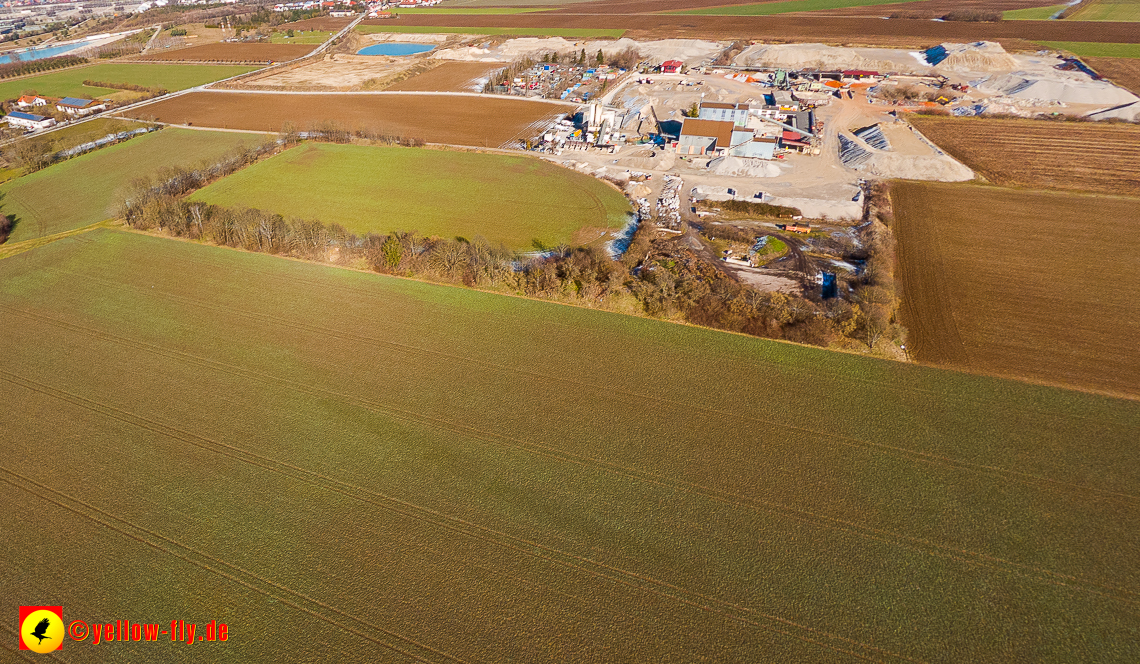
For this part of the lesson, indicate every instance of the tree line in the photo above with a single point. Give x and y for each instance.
(657, 277)
(20, 68)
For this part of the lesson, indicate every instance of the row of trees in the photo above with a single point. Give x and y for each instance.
(20, 68)
(658, 277)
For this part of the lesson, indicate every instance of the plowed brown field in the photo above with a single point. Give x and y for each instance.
(800, 27)
(460, 120)
(1081, 156)
(254, 52)
(933, 7)
(1027, 284)
(1124, 72)
(448, 77)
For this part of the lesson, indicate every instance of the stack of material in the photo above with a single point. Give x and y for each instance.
(851, 153)
(874, 137)
(976, 56)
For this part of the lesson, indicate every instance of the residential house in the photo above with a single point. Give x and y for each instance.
(80, 107)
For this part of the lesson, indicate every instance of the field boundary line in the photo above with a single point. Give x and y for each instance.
(623, 577)
(840, 439)
(9, 250)
(849, 441)
(725, 497)
(229, 575)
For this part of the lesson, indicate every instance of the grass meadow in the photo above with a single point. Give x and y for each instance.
(1032, 13)
(510, 199)
(327, 459)
(69, 82)
(1096, 49)
(86, 189)
(1107, 10)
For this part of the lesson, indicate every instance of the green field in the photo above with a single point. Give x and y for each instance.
(527, 32)
(69, 82)
(335, 461)
(510, 199)
(301, 37)
(87, 188)
(1095, 49)
(770, 8)
(1107, 10)
(1032, 14)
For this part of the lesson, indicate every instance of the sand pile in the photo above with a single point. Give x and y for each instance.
(977, 56)
(1057, 86)
(690, 51)
(662, 160)
(817, 56)
(744, 167)
(637, 190)
(1129, 112)
(917, 167)
(821, 208)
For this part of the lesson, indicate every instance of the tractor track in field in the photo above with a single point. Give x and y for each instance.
(634, 580)
(728, 498)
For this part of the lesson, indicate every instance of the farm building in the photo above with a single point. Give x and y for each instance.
(704, 136)
(759, 147)
(29, 120)
(672, 67)
(734, 113)
(80, 107)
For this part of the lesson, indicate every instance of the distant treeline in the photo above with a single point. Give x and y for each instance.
(36, 66)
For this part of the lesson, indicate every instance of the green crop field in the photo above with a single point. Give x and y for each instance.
(1096, 50)
(1107, 10)
(330, 461)
(301, 37)
(526, 32)
(770, 8)
(69, 82)
(86, 189)
(371, 189)
(1033, 13)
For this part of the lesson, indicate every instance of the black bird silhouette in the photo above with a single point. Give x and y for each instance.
(40, 629)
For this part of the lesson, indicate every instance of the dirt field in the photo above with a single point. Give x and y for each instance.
(1084, 156)
(472, 121)
(319, 23)
(1124, 72)
(448, 77)
(331, 461)
(1029, 284)
(336, 71)
(254, 52)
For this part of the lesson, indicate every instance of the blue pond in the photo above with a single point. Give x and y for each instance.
(40, 53)
(395, 48)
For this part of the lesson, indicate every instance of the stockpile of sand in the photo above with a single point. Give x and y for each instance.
(744, 167)
(977, 56)
(1129, 112)
(689, 51)
(821, 56)
(915, 167)
(820, 208)
(1057, 86)
(662, 160)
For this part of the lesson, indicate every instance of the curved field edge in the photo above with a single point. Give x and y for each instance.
(86, 189)
(516, 200)
(361, 455)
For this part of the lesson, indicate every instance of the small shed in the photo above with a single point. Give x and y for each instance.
(672, 67)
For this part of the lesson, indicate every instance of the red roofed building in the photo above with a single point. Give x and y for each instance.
(672, 67)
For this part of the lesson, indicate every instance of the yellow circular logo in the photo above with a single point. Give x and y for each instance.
(42, 631)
